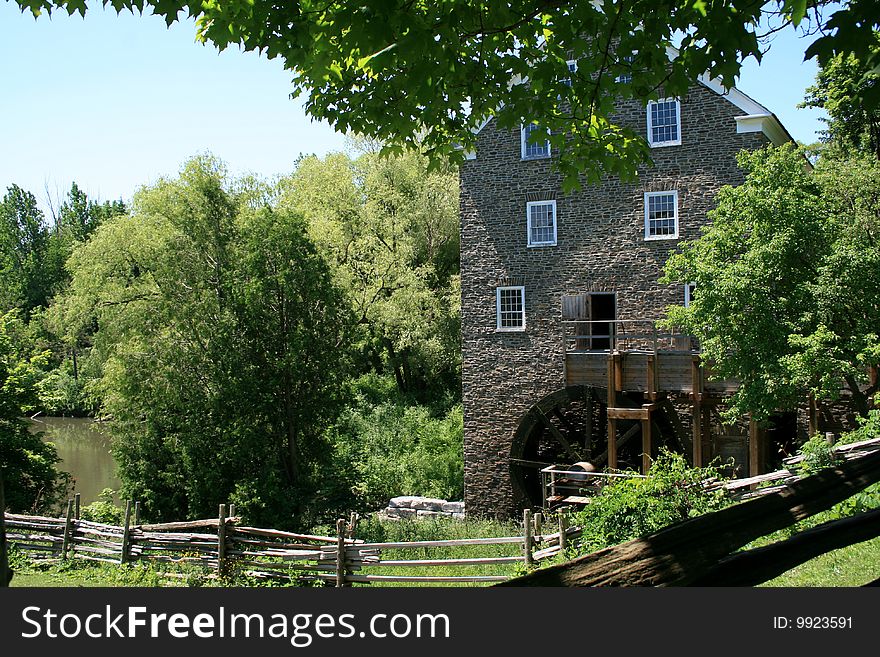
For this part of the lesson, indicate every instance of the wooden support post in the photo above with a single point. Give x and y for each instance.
(651, 382)
(618, 371)
(221, 541)
(829, 438)
(563, 536)
(646, 445)
(697, 412)
(65, 545)
(612, 423)
(756, 448)
(352, 524)
(76, 501)
(137, 512)
(538, 519)
(126, 533)
(232, 510)
(527, 542)
(814, 417)
(340, 553)
(612, 444)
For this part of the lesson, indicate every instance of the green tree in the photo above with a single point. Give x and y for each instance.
(389, 227)
(27, 463)
(23, 252)
(221, 342)
(846, 88)
(788, 281)
(429, 73)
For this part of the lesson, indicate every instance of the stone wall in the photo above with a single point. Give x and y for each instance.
(600, 247)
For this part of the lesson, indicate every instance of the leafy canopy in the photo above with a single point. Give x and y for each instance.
(430, 73)
(788, 281)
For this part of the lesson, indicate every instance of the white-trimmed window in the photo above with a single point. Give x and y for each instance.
(689, 293)
(661, 215)
(531, 151)
(541, 223)
(510, 305)
(664, 122)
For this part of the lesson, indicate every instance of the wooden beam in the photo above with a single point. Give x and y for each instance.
(588, 420)
(612, 423)
(762, 564)
(682, 553)
(813, 416)
(646, 444)
(557, 435)
(629, 413)
(756, 448)
(620, 442)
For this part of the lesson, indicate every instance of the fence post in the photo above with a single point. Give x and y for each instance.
(340, 553)
(76, 500)
(527, 543)
(65, 546)
(137, 512)
(221, 541)
(539, 522)
(126, 533)
(563, 537)
(232, 510)
(829, 438)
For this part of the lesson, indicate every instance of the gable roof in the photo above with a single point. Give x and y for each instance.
(757, 117)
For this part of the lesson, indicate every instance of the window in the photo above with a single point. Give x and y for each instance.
(664, 120)
(661, 215)
(689, 293)
(534, 150)
(626, 78)
(510, 305)
(572, 67)
(541, 220)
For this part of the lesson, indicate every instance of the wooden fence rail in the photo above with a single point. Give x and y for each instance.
(221, 545)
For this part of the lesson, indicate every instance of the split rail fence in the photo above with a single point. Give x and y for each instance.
(222, 546)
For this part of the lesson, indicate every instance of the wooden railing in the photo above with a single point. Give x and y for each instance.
(222, 547)
(624, 335)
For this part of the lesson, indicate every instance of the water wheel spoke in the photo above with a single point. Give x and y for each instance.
(557, 435)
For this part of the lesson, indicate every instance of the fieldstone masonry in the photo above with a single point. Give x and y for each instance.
(600, 247)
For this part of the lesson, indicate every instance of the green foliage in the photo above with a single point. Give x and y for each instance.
(220, 346)
(389, 228)
(24, 241)
(843, 88)
(104, 509)
(31, 481)
(430, 74)
(629, 508)
(391, 448)
(776, 272)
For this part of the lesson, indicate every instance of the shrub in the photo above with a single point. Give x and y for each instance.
(629, 508)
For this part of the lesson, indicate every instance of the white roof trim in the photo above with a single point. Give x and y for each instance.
(758, 118)
(766, 123)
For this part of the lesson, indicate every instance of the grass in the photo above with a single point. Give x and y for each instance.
(851, 566)
(854, 565)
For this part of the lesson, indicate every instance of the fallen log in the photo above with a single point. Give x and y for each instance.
(682, 553)
(764, 563)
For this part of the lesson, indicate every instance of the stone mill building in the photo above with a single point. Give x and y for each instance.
(559, 291)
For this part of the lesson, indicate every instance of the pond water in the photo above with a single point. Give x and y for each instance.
(84, 450)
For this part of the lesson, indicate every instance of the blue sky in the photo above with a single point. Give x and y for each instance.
(114, 102)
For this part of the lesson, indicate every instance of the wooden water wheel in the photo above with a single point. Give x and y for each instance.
(570, 426)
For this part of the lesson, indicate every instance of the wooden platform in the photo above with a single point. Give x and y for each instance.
(644, 371)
